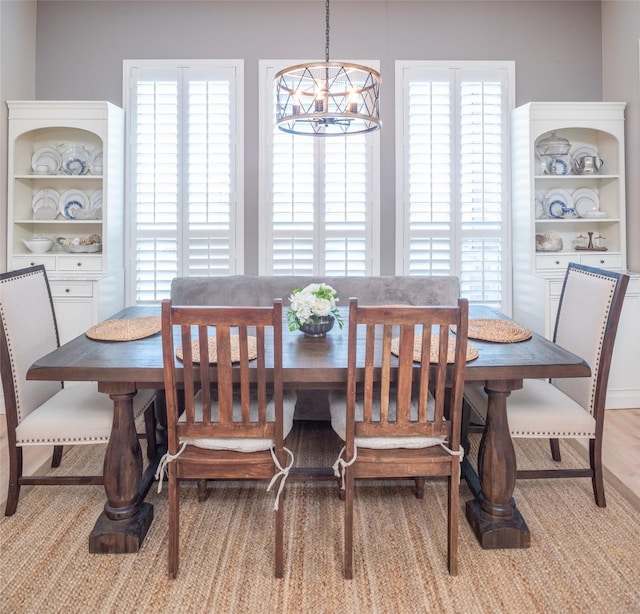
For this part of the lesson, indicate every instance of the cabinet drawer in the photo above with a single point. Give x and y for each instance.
(21, 262)
(554, 262)
(608, 261)
(79, 263)
(61, 289)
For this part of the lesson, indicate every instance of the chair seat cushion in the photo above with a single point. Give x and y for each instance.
(77, 414)
(539, 409)
(243, 444)
(338, 410)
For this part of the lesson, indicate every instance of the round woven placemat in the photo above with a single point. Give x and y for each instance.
(213, 349)
(500, 331)
(472, 352)
(125, 329)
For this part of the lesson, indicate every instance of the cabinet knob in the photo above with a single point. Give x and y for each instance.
(601, 261)
(557, 262)
(78, 263)
(67, 290)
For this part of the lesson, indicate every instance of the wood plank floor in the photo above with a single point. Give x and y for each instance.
(621, 446)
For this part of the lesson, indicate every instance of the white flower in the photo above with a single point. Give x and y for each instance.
(322, 307)
(313, 300)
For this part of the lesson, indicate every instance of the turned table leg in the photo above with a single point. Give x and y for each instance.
(493, 515)
(122, 526)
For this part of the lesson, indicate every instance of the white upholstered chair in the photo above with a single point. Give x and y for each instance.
(405, 421)
(42, 413)
(572, 408)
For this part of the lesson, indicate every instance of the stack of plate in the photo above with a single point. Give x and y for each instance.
(45, 204)
(45, 161)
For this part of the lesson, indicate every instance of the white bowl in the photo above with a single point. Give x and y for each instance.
(39, 245)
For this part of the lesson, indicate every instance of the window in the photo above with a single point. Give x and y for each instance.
(452, 180)
(185, 184)
(319, 203)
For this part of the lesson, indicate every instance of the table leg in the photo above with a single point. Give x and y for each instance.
(493, 515)
(123, 525)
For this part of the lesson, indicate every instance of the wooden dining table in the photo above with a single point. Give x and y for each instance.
(121, 368)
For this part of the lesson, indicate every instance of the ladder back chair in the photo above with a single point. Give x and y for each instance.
(226, 375)
(41, 413)
(399, 419)
(570, 408)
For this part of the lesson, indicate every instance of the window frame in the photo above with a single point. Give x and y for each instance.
(401, 145)
(267, 71)
(236, 234)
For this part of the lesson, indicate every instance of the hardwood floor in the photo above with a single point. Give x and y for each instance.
(621, 446)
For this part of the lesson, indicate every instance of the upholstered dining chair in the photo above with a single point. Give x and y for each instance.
(570, 408)
(42, 413)
(230, 420)
(407, 424)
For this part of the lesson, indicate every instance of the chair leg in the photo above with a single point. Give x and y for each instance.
(56, 459)
(15, 472)
(174, 521)
(555, 449)
(419, 488)
(202, 490)
(279, 533)
(597, 479)
(150, 431)
(453, 519)
(348, 524)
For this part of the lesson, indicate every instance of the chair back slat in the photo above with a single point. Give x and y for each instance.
(226, 394)
(409, 397)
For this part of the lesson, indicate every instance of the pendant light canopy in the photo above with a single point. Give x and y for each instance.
(328, 98)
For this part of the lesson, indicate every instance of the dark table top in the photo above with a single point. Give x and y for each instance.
(308, 362)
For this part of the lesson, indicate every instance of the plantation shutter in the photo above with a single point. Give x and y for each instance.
(320, 203)
(454, 182)
(187, 211)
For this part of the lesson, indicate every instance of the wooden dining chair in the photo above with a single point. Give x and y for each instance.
(570, 408)
(236, 416)
(408, 424)
(42, 413)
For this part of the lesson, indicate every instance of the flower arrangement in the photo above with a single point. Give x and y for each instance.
(312, 302)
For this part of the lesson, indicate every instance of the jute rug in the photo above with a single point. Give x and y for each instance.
(582, 558)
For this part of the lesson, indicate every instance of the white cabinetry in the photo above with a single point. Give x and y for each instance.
(538, 275)
(87, 286)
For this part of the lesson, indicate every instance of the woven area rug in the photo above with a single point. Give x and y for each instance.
(582, 558)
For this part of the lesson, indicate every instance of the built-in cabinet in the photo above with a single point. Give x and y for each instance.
(562, 214)
(65, 183)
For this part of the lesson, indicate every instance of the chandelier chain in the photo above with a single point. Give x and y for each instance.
(326, 48)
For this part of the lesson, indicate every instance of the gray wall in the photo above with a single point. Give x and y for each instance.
(17, 81)
(621, 82)
(556, 46)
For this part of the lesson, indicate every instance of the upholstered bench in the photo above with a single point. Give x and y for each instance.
(236, 290)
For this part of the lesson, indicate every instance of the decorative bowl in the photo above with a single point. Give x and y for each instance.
(317, 326)
(38, 245)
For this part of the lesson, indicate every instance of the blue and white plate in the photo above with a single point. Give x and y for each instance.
(558, 204)
(74, 159)
(71, 202)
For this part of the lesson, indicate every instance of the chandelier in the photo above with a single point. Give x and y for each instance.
(328, 98)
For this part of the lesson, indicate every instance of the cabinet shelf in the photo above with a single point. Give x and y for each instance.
(78, 178)
(577, 220)
(554, 178)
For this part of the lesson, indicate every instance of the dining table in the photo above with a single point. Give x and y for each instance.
(121, 368)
